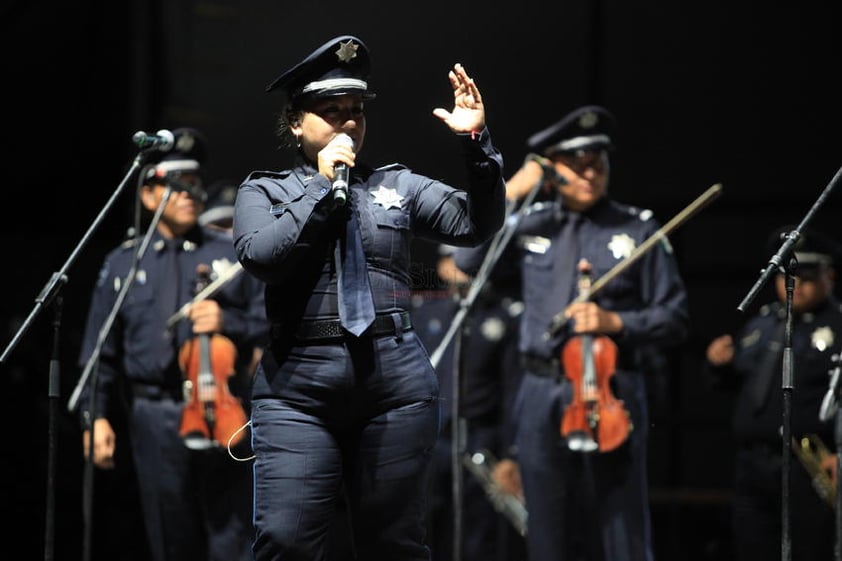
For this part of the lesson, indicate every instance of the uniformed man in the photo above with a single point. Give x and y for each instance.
(196, 499)
(583, 467)
(752, 361)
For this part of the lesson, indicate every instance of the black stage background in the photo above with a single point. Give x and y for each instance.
(704, 92)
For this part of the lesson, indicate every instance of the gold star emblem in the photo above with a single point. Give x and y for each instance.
(387, 198)
(347, 51)
(621, 245)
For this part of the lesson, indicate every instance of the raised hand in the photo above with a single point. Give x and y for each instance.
(468, 113)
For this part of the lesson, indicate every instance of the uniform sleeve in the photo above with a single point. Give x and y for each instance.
(664, 317)
(246, 322)
(107, 367)
(274, 224)
(465, 217)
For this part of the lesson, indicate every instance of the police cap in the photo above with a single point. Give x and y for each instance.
(587, 128)
(189, 153)
(219, 210)
(340, 66)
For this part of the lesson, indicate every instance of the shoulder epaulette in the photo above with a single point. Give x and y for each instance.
(540, 206)
(391, 167)
(272, 174)
(771, 308)
(643, 214)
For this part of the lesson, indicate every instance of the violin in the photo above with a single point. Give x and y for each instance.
(212, 415)
(595, 419)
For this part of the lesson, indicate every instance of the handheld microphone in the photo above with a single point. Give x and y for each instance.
(162, 140)
(340, 174)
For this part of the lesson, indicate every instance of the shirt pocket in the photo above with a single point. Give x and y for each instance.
(390, 236)
(539, 261)
(537, 252)
(392, 220)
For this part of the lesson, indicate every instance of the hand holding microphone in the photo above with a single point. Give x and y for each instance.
(534, 171)
(341, 171)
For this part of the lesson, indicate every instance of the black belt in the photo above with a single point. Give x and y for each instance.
(331, 329)
(539, 366)
(155, 393)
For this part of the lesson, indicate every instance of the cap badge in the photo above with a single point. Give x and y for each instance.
(387, 198)
(621, 245)
(185, 143)
(822, 338)
(588, 120)
(347, 51)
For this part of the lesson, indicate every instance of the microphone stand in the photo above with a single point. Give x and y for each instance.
(105, 329)
(51, 294)
(458, 430)
(775, 265)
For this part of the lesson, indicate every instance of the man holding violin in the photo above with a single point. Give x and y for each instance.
(581, 411)
(177, 355)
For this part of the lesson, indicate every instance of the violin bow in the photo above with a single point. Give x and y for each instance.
(208, 291)
(701, 201)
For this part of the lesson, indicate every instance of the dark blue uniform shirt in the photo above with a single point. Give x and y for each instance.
(286, 227)
(815, 339)
(133, 347)
(649, 295)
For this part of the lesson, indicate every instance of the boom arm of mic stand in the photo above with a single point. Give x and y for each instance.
(495, 249)
(105, 329)
(59, 278)
(779, 259)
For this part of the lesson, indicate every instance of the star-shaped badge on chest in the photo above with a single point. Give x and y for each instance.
(387, 198)
(621, 245)
(822, 338)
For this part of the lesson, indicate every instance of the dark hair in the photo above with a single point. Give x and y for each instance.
(290, 115)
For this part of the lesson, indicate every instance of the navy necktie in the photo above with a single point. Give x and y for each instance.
(568, 258)
(356, 304)
(168, 297)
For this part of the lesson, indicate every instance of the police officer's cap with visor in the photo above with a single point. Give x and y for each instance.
(181, 166)
(340, 66)
(590, 128)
